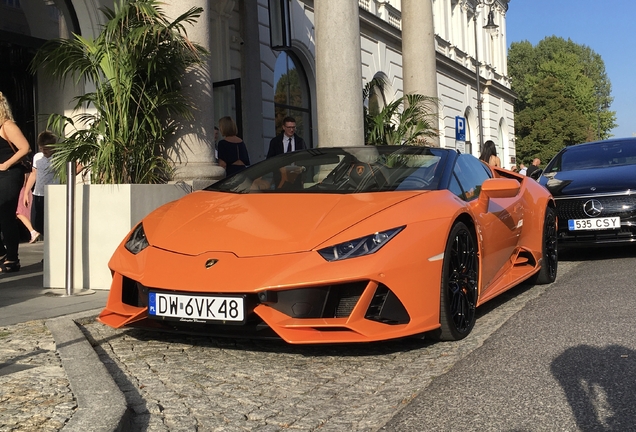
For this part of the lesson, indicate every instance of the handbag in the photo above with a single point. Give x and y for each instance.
(24, 163)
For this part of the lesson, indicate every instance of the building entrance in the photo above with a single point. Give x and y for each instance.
(17, 84)
(24, 27)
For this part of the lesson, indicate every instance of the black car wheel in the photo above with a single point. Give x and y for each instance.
(458, 297)
(550, 255)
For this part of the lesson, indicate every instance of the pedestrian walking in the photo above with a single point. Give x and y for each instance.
(42, 174)
(23, 212)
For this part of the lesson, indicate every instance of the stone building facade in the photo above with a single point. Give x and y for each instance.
(258, 84)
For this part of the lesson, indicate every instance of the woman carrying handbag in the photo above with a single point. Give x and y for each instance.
(13, 148)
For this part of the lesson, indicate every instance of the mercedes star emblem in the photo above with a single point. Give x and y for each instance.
(593, 208)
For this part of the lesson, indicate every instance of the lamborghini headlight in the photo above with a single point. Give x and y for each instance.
(359, 247)
(137, 240)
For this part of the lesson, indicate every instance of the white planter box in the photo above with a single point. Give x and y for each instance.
(104, 214)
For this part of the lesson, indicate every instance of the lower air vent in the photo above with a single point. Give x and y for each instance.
(346, 305)
(133, 293)
(386, 308)
(332, 301)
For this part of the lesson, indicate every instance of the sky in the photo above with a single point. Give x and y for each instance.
(608, 27)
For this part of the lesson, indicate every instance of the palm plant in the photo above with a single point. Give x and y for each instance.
(407, 120)
(136, 65)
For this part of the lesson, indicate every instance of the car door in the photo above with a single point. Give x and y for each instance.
(498, 225)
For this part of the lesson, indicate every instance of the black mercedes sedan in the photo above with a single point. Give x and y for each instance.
(594, 186)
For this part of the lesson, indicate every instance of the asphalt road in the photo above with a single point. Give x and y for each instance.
(565, 362)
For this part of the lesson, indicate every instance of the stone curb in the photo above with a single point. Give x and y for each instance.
(101, 406)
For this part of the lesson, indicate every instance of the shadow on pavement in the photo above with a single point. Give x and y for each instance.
(27, 269)
(596, 383)
(276, 345)
(21, 286)
(23, 296)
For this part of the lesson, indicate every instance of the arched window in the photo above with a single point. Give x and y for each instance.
(41, 19)
(502, 143)
(291, 95)
(472, 134)
(377, 93)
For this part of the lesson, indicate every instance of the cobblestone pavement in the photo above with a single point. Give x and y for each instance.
(187, 383)
(34, 389)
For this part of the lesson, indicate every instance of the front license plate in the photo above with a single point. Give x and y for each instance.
(196, 308)
(594, 223)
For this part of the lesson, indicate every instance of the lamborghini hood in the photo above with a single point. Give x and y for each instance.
(260, 224)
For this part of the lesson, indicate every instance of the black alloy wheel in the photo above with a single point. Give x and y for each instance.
(550, 254)
(458, 297)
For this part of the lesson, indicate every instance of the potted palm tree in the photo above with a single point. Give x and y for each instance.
(136, 65)
(409, 119)
(119, 130)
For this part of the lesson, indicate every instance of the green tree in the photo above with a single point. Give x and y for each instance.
(135, 65)
(582, 81)
(550, 122)
(521, 68)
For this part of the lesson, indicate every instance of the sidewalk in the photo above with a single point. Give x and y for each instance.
(22, 297)
(50, 376)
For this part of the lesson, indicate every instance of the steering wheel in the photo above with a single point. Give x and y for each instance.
(413, 182)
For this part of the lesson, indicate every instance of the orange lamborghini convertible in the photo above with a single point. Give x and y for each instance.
(335, 245)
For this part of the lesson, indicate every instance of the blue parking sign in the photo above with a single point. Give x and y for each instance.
(460, 128)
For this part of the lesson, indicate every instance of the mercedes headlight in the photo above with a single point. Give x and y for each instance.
(137, 240)
(553, 182)
(359, 247)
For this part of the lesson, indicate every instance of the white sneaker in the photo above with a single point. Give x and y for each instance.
(34, 236)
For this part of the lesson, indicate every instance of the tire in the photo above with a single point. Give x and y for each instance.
(460, 276)
(549, 252)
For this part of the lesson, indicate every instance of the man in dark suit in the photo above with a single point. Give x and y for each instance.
(534, 167)
(287, 141)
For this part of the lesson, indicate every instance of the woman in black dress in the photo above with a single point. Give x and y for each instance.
(489, 155)
(232, 150)
(13, 147)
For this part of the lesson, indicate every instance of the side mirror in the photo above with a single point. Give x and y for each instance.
(500, 188)
(535, 175)
(497, 188)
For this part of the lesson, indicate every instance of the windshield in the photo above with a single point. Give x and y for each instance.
(597, 155)
(341, 170)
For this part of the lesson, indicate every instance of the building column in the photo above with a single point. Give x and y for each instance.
(252, 82)
(418, 50)
(192, 152)
(338, 73)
